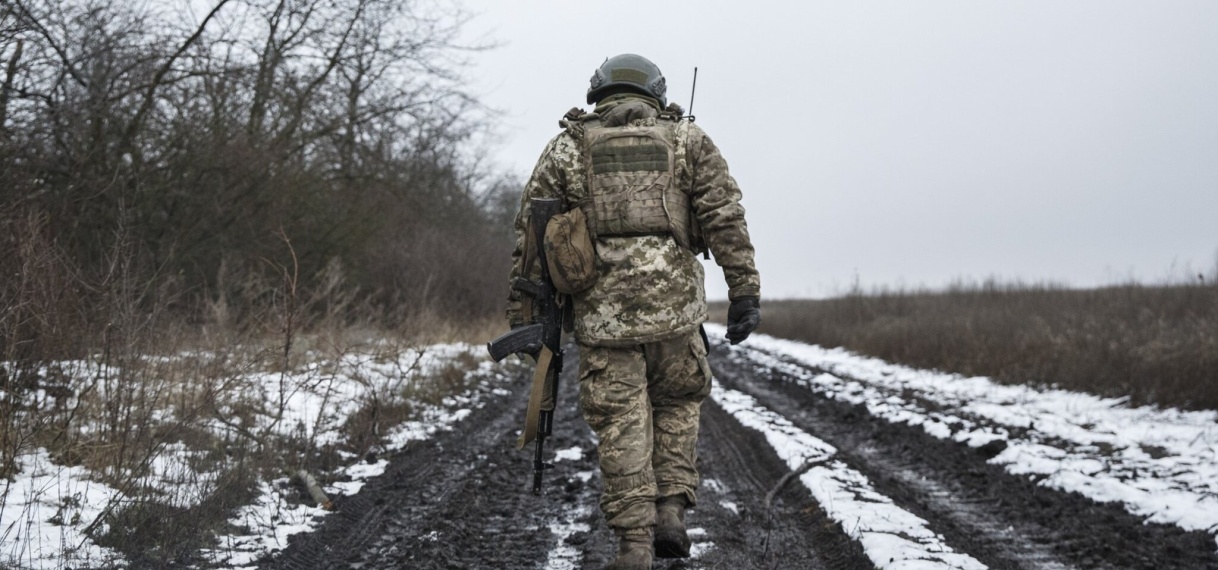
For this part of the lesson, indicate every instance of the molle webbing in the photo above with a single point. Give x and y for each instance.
(651, 156)
(631, 183)
(631, 209)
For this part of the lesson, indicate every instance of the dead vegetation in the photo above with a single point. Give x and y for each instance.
(184, 418)
(1153, 343)
(206, 218)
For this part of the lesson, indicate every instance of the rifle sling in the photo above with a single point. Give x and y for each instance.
(536, 394)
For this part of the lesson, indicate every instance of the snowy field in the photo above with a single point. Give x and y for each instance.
(1160, 464)
(46, 510)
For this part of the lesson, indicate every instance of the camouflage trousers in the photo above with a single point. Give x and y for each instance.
(643, 402)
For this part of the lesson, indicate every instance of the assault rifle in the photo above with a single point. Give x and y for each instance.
(540, 339)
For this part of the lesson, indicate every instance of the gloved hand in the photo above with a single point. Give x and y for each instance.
(743, 316)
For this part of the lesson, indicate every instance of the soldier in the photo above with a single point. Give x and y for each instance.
(653, 191)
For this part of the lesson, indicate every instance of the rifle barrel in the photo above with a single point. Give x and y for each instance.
(538, 464)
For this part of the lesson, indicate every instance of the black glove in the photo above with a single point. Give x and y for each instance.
(742, 318)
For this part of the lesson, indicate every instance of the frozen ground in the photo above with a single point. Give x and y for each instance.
(1161, 464)
(46, 508)
(891, 536)
(275, 515)
(455, 490)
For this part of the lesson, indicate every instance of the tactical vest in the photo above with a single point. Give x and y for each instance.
(637, 181)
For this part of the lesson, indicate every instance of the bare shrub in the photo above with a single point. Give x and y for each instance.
(182, 420)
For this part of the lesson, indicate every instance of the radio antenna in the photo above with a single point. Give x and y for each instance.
(692, 91)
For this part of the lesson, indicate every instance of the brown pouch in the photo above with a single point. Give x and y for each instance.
(570, 256)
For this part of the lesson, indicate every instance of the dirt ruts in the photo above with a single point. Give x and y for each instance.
(462, 500)
(1005, 521)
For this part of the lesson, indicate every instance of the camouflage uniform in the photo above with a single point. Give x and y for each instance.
(643, 370)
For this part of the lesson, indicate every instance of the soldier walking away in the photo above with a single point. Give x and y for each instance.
(643, 191)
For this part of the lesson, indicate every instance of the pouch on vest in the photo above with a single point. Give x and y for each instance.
(570, 256)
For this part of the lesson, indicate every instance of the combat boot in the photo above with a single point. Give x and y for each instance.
(671, 538)
(634, 550)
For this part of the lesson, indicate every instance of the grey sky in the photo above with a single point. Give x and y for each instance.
(911, 143)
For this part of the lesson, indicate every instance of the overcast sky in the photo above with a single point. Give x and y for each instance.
(911, 143)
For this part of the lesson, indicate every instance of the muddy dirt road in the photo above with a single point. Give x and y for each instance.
(461, 499)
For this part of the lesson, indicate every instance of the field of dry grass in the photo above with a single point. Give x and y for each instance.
(1154, 344)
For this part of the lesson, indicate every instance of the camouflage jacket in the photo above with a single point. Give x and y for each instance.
(650, 286)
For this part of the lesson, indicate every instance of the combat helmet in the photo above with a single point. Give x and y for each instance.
(627, 73)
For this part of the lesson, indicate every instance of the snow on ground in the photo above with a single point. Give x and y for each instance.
(43, 514)
(317, 400)
(891, 536)
(270, 521)
(275, 516)
(1161, 464)
(699, 544)
(565, 555)
(45, 509)
(570, 454)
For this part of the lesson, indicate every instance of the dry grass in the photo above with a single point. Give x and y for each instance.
(120, 373)
(1155, 344)
(119, 419)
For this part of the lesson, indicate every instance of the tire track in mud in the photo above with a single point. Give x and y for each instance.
(731, 527)
(462, 500)
(1002, 520)
(739, 469)
(404, 517)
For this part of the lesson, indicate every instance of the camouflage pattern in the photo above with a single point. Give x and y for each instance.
(621, 308)
(650, 287)
(570, 254)
(643, 402)
(643, 369)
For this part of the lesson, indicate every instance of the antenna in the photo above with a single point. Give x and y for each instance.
(692, 91)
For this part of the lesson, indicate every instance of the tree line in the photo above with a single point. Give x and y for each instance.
(219, 158)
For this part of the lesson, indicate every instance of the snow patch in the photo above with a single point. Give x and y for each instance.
(44, 512)
(891, 536)
(714, 486)
(565, 556)
(1161, 464)
(267, 524)
(699, 545)
(570, 454)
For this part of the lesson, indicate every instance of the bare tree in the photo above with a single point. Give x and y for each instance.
(197, 138)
